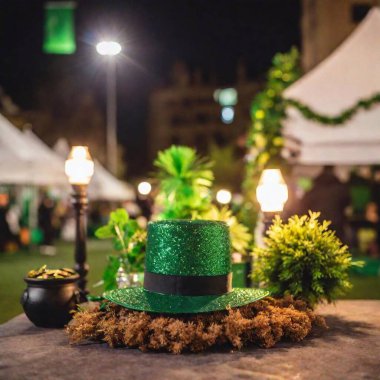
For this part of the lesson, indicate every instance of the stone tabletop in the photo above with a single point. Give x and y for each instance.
(350, 349)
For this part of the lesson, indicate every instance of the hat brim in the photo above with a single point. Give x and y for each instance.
(144, 300)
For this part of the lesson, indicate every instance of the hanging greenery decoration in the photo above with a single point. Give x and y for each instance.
(268, 110)
(265, 139)
(346, 115)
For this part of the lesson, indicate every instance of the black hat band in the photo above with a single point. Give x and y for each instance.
(188, 285)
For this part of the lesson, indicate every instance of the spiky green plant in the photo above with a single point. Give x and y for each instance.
(304, 258)
(184, 182)
(265, 141)
(239, 233)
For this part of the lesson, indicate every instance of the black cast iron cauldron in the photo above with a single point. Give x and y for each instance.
(48, 302)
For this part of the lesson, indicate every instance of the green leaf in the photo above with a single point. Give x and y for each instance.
(128, 239)
(119, 217)
(109, 274)
(104, 232)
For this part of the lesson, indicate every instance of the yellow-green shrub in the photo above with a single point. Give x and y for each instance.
(304, 258)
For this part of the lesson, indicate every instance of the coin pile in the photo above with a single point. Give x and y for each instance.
(49, 274)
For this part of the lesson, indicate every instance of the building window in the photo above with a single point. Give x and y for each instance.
(359, 11)
(201, 143)
(219, 139)
(202, 118)
(177, 121)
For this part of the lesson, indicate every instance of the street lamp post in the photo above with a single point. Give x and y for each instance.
(110, 49)
(272, 194)
(79, 168)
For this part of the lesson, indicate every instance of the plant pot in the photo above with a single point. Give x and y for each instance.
(49, 302)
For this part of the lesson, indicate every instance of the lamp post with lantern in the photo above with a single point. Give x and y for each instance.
(79, 169)
(272, 194)
(110, 49)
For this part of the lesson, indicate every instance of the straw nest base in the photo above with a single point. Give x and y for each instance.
(263, 323)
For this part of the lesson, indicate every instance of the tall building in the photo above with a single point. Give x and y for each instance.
(191, 112)
(326, 23)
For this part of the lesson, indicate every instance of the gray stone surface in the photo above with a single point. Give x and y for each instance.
(350, 349)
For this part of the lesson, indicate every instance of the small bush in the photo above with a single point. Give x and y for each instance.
(304, 258)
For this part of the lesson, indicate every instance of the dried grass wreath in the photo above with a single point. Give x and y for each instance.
(262, 323)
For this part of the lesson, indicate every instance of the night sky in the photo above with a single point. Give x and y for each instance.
(208, 34)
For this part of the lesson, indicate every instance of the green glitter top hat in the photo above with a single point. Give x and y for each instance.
(187, 270)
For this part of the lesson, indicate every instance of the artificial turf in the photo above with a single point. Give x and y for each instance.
(13, 268)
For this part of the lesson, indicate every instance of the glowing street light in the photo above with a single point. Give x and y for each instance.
(110, 49)
(144, 188)
(272, 192)
(79, 166)
(223, 196)
(79, 169)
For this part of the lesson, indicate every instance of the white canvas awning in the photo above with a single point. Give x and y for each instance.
(26, 160)
(104, 186)
(349, 74)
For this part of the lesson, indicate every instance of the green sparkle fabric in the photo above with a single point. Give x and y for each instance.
(143, 300)
(188, 248)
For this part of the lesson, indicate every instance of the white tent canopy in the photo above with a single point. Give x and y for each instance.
(350, 73)
(26, 160)
(104, 186)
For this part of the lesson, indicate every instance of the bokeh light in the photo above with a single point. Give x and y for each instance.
(227, 115)
(223, 196)
(108, 48)
(144, 188)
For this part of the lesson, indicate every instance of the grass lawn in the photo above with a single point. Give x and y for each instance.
(364, 288)
(13, 268)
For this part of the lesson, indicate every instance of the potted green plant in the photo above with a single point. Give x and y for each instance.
(129, 241)
(303, 258)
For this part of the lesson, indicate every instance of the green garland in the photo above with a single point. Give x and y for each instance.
(346, 115)
(268, 110)
(265, 139)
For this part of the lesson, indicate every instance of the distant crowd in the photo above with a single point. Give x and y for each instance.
(353, 207)
(53, 220)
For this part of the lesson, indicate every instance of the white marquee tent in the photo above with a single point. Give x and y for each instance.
(350, 73)
(104, 186)
(27, 160)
